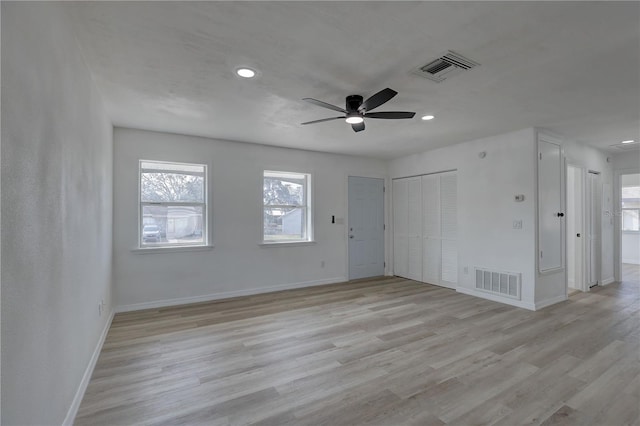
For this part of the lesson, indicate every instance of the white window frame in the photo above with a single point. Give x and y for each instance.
(306, 206)
(141, 204)
(623, 209)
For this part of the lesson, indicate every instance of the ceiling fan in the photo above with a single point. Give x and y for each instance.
(356, 110)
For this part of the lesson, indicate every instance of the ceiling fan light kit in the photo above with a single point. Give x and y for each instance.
(357, 110)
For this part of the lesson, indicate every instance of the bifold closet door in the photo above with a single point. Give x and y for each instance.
(449, 229)
(439, 229)
(431, 239)
(407, 214)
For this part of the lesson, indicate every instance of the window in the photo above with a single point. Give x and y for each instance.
(631, 208)
(286, 207)
(173, 204)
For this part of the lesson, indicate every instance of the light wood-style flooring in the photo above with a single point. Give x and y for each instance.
(386, 351)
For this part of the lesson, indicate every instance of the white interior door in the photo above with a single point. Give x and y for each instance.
(550, 206)
(366, 227)
(575, 228)
(593, 229)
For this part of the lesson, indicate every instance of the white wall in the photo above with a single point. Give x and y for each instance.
(237, 264)
(486, 206)
(56, 215)
(630, 248)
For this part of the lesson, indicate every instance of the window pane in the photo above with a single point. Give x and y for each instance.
(284, 224)
(171, 187)
(284, 190)
(630, 220)
(163, 225)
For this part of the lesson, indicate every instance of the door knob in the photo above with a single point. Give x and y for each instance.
(350, 236)
(560, 214)
(577, 235)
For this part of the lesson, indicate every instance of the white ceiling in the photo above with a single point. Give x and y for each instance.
(571, 67)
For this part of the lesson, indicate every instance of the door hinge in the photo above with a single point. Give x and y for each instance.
(384, 189)
(384, 227)
(540, 154)
(540, 254)
(384, 264)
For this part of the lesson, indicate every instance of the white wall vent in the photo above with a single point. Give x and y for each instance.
(445, 67)
(505, 284)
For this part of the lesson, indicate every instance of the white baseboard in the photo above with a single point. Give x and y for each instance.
(608, 281)
(549, 302)
(77, 399)
(495, 298)
(225, 295)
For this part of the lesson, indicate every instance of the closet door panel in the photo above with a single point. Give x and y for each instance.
(449, 206)
(400, 227)
(449, 263)
(430, 206)
(414, 229)
(432, 256)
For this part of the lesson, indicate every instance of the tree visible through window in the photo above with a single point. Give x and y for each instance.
(286, 213)
(172, 204)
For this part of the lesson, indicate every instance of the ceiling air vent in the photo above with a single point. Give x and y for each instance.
(627, 146)
(445, 67)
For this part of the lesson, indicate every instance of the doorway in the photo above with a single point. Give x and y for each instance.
(630, 226)
(366, 227)
(575, 229)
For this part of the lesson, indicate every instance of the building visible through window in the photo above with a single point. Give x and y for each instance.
(286, 207)
(173, 204)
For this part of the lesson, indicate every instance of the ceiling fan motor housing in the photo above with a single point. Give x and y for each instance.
(353, 102)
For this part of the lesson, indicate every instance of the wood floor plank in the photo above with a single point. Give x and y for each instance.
(385, 351)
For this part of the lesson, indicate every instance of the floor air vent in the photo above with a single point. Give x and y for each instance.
(505, 284)
(445, 67)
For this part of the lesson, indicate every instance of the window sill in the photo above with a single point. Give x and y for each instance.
(151, 250)
(287, 244)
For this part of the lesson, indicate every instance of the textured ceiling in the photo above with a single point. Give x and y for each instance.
(571, 67)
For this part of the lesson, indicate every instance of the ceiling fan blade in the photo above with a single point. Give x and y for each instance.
(320, 121)
(358, 127)
(378, 99)
(390, 114)
(324, 105)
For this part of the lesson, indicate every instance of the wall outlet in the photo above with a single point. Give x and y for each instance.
(517, 224)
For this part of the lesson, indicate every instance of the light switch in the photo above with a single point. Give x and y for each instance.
(517, 224)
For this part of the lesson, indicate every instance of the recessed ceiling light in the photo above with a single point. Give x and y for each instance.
(356, 119)
(428, 117)
(246, 72)
(629, 141)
